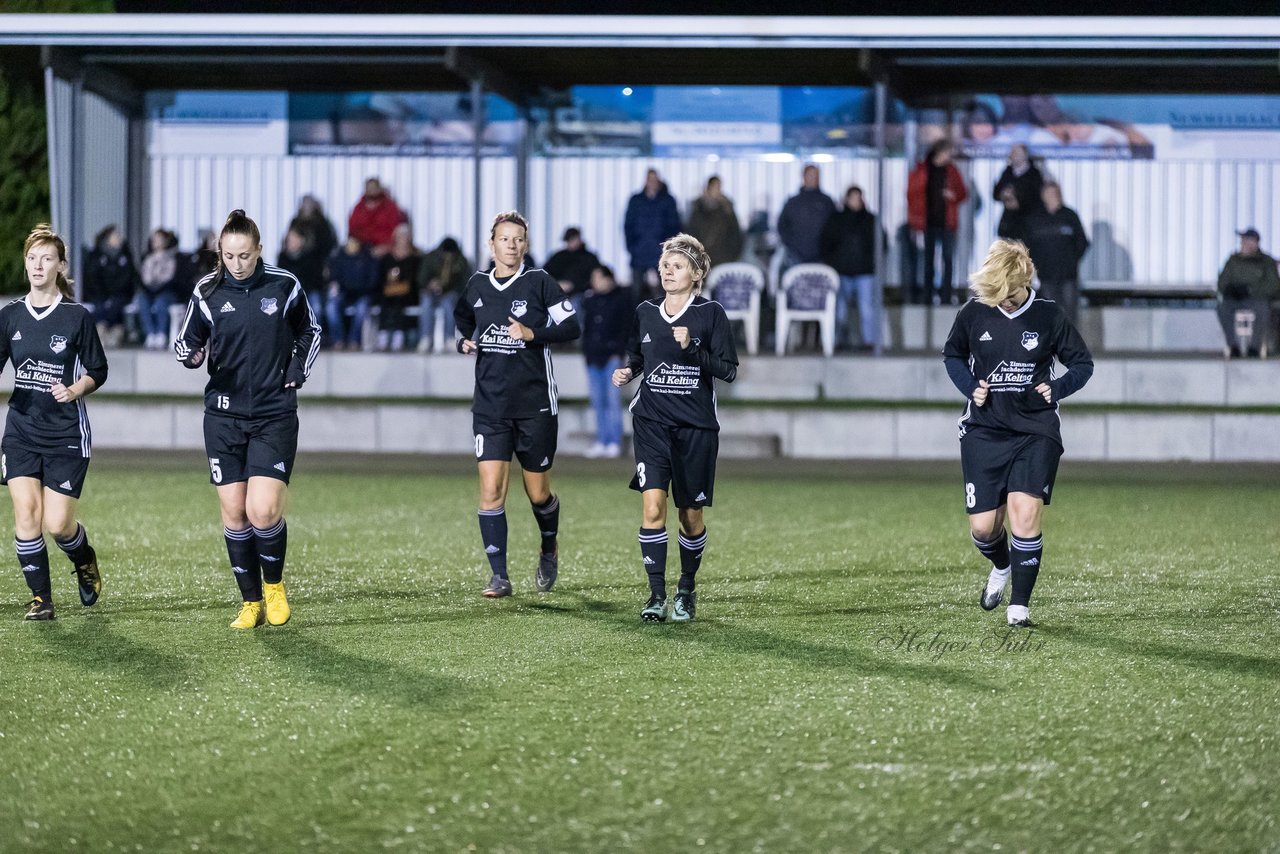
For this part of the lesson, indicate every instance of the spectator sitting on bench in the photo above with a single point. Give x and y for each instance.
(1249, 281)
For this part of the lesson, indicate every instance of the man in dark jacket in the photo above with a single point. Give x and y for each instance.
(652, 217)
(802, 219)
(849, 246)
(572, 266)
(1057, 242)
(1247, 286)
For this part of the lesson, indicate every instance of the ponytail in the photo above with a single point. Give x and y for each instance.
(44, 233)
(238, 222)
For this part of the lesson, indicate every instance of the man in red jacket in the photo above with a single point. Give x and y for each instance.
(375, 217)
(935, 190)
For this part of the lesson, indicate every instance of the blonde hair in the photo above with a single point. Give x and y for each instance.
(514, 217)
(1007, 269)
(690, 247)
(44, 233)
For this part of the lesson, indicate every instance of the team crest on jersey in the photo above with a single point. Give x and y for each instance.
(519, 307)
(1030, 340)
(57, 343)
(268, 305)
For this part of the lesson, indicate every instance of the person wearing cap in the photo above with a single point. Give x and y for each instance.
(1249, 279)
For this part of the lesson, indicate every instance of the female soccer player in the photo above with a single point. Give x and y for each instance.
(253, 325)
(506, 318)
(999, 355)
(57, 360)
(680, 343)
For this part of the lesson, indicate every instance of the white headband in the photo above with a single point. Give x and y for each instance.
(692, 257)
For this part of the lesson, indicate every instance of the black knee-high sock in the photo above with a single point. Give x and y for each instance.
(691, 549)
(548, 516)
(243, 552)
(995, 550)
(1024, 559)
(272, 543)
(77, 548)
(33, 557)
(493, 533)
(653, 551)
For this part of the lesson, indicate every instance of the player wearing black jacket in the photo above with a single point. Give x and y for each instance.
(680, 344)
(507, 318)
(57, 360)
(1000, 356)
(251, 323)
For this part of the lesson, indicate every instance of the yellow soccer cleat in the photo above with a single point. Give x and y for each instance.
(252, 615)
(277, 604)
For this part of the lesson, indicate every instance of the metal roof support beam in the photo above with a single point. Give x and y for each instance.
(477, 161)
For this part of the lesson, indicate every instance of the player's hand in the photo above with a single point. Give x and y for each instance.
(1046, 392)
(681, 334)
(622, 376)
(468, 347)
(197, 358)
(980, 393)
(516, 329)
(62, 394)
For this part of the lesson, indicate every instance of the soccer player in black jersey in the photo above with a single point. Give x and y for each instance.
(251, 323)
(507, 318)
(680, 344)
(57, 360)
(1000, 356)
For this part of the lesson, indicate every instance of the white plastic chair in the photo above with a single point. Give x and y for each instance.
(737, 288)
(808, 293)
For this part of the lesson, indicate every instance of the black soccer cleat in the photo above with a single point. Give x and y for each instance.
(990, 601)
(655, 610)
(39, 609)
(89, 579)
(497, 588)
(686, 605)
(548, 569)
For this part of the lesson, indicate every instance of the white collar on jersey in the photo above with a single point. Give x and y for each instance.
(672, 318)
(493, 280)
(41, 313)
(1030, 299)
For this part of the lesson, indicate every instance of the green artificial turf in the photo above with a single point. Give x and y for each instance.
(840, 690)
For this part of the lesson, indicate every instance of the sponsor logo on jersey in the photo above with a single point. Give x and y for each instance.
(66, 484)
(986, 336)
(1031, 340)
(1011, 376)
(674, 379)
(268, 305)
(17, 336)
(57, 343)
(279, 466)
(519, 307)
(36, 375)
(226, 307)
(496, 338)
(702, 496)
(478, 303)
(646, 339)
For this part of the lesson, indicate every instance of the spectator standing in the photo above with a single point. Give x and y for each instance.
(1057, 242)
(399, 277)
(802, 219)
(1248, 281)
(606, 320)
(111, 279)
(442, 276)
(849, 246)
(311, 222)
(935, 190)
(374, 218)
(715, 223)
(651, 218)
(572, 266)
(354, 276)
(159, 276)
(1024, 179)
(299, 257)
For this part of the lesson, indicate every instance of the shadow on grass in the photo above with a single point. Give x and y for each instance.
(357, 675)
(1204, 659)
(736, 640)
(93, 645)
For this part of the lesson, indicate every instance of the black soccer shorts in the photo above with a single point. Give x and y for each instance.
(679, 460)
(996, 463)
(532, 440)
(241, 448)
(62, 474)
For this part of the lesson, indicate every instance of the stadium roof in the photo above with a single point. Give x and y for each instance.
(529, 56)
